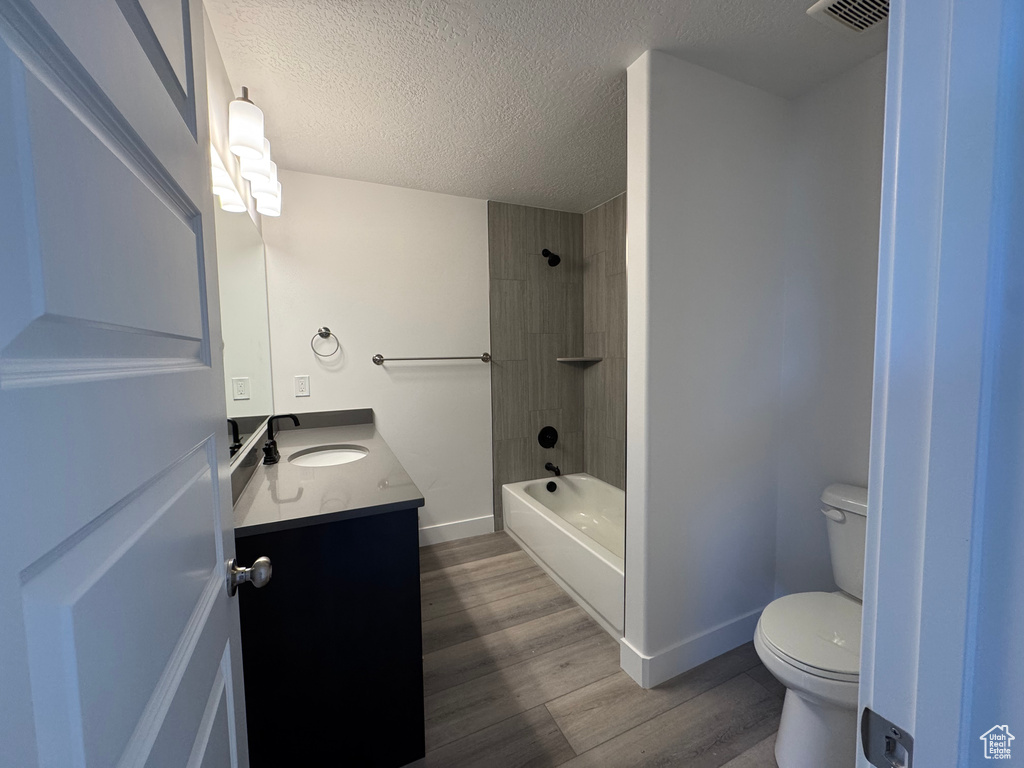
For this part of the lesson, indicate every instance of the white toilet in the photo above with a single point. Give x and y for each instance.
(810, 641)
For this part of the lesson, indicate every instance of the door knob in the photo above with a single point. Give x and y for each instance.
(258, 575)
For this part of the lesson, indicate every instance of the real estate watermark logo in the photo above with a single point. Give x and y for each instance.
(997, 742)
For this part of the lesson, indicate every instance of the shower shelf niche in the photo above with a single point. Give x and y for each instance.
(584, 360)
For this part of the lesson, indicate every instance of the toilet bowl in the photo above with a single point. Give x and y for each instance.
(810, 642)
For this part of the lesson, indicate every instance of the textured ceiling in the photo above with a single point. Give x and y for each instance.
(514, 100)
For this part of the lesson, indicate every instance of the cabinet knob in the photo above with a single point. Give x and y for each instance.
(258, 575)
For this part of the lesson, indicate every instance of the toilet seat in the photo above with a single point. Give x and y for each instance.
(817, 632)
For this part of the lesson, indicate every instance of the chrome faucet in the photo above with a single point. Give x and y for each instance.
(270, 453)
(552, 468)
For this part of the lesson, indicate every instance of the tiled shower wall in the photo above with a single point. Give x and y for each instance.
(604, 335)
(536, 316)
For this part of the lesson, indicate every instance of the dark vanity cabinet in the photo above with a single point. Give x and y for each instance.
(332, 647)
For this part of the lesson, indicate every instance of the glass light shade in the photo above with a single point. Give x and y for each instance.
(232, 203)
(261, 187)
(257, 168)
(245, 128)
(222, 183)
(269, 205)
(270, 192)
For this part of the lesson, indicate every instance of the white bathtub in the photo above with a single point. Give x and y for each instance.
(577, 534)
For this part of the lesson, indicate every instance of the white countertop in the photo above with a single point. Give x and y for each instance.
(284, 495)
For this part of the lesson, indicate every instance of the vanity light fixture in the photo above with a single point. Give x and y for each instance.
(246, 140)
(245, 128)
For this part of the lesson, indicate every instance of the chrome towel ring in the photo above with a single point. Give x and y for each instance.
(324, 333)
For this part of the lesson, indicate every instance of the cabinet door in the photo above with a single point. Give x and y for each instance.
(333, 648)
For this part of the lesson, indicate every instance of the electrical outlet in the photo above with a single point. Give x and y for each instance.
(302, 386)
(240, 388)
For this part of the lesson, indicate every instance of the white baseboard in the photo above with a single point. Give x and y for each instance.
(649, 671)
(632, 662)
(460, 529)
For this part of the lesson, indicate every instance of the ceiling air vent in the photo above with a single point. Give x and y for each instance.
(857, 16)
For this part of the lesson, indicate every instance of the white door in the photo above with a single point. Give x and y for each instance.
(118, 643)
(943, 635)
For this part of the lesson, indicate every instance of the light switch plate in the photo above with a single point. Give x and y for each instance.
(302, 386)
(240, 388)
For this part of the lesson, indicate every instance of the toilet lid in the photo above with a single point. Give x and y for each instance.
(820, 630)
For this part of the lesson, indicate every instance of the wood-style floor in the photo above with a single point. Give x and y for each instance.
(516, 674)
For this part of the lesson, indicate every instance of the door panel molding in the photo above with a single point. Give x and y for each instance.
(65, 350)
(45, 55)
(181, 94)
(71, 591)
(154, 716)
(52, 263)
(216, 716)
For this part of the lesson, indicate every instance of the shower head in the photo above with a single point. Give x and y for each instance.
(553, 258)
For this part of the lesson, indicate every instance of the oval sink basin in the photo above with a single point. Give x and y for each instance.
(328, 455)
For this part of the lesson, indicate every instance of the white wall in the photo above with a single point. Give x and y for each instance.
(706, 237)
(401, 273)
(829, 312)
(752, 260)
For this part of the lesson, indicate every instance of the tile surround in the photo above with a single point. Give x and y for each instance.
(538, 313)
(536, 316)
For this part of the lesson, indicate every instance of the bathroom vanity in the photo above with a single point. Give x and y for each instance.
(331, 646)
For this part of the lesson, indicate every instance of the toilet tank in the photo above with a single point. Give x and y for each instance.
(846, 508)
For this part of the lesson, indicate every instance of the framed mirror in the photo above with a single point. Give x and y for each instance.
(242, 270)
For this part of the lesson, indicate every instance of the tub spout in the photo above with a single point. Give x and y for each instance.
(552, 468)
